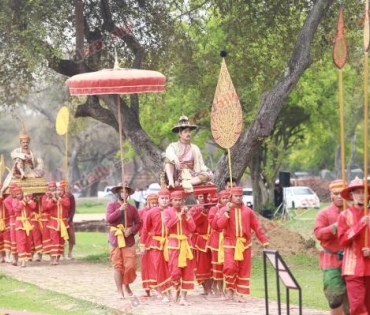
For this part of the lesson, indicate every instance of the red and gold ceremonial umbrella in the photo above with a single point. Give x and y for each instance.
(117, 81)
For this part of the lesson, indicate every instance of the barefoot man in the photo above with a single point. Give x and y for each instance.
(124, 222)
(180, 225)
(238, 221)
(154, 239)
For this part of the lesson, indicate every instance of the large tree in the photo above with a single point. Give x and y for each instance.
(165, 36)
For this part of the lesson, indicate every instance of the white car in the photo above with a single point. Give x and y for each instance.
(300, 197)
(106, 193)
(153, 188)
(248, 197)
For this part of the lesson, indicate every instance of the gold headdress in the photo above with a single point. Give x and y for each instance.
(23, 134)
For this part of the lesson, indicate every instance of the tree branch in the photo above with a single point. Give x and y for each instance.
(271, 103)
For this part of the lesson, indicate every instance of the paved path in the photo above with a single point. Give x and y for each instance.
(94, 283)
(80, 217)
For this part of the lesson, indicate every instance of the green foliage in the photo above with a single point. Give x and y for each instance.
(305, 270)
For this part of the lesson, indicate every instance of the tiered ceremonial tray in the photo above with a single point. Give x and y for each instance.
(30, 185)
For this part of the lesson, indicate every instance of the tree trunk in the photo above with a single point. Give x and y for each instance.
(250, 140)
(273, 101)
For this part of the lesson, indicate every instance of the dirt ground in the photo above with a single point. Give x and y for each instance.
(286, 241)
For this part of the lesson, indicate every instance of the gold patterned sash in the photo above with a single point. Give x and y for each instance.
(119, 230)
(26, 225)
(185, 249)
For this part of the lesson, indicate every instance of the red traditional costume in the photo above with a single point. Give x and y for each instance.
(45, 215)
(122, 249)
(238, 226)
(154, 238)
(37, 227)
(4, 228)
(71, 214)
(216, 239)
(145, 263)
(355, 267)
(203, 257)
(58, 223)
(325, 230)
(8, 205)
(23, 227)
(181, 262)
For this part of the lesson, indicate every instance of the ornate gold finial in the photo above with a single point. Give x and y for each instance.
(23, 134)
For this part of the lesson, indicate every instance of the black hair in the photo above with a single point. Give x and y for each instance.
(229, 179)
(118, 194)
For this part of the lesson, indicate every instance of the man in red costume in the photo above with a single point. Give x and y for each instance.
(8, 205)
(57, 204)
(354, 235)
(200, 238)
(151, 201)
(180, 225)
(331, 256)
(37, 226)
(238, 221)
(4, 231)
(124, 222)
(71, 214)
(154, 239)
(45, 215)
(215, 243)
(22, 206)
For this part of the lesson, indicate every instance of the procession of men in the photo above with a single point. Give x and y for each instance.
(36, 218)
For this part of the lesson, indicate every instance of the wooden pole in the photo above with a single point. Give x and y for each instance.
(120, 137)
(230, 170)
(340, 59)
(366, 110)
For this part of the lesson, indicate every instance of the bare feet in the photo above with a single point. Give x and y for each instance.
(165, 300)
(240, 299)
(120, 295)
(229, 295)
(183, 302)
(177, 296)
(127, 290)
(38, 257)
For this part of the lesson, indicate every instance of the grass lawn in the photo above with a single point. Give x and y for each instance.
(303, 221)
(91, 247)
(16, 295)
(93, 205)
(306, 272)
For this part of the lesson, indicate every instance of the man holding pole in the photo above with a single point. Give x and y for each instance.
(353, 235)
(331, 256)
(124, 222)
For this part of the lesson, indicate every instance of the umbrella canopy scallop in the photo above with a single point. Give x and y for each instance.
(117, 81)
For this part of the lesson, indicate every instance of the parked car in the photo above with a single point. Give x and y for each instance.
(248, 197)
(300, 197)
(153, 188)
(106, 193)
